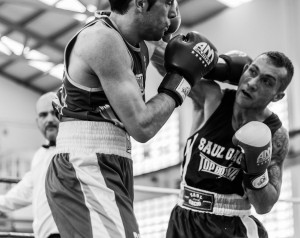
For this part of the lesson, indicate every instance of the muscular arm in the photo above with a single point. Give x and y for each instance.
(107, 56)
(263, 200)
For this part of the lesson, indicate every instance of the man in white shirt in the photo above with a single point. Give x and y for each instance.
(31, 189)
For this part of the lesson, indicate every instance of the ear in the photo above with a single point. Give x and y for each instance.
(141, 5)
(278, 96)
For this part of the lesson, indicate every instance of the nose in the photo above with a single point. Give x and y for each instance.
(51, 117)
(253, 83)
(174, 11)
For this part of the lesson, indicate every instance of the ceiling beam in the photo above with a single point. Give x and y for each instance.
(20, 82)
(41, 5)
(28, 33)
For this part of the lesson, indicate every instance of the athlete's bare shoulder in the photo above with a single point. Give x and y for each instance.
(102, 49)
(99, 36)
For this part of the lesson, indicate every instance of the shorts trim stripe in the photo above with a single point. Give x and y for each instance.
(106, 223)
(251, 227)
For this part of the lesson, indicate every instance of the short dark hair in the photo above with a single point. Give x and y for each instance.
(279, 59)
(119, 6)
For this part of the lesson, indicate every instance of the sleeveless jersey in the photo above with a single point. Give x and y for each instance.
(211, 161)
(91, 104)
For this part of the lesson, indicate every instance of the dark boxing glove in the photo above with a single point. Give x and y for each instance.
(191, 56)
(232, 69)
(174, 25)
(255, 140)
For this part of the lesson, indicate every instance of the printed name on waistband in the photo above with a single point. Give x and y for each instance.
(197, 200)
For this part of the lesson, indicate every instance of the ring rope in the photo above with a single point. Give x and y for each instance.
(149, 189)
(16, 234)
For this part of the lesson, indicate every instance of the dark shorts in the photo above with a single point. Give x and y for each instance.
(185, 223)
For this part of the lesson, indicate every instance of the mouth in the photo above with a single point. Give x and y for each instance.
(246, 94)
(51, 127)
(166, 30)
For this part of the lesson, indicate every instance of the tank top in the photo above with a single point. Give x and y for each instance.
(91, 104)
(211, 161)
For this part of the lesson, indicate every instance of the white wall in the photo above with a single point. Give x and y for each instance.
(18, 130)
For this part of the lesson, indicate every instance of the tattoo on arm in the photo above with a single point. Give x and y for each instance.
(280, 144)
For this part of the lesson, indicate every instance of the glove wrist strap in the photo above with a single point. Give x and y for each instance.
(256, 181)
(175, 86)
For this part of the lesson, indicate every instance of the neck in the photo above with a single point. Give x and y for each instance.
(241, 116)
(125, 24)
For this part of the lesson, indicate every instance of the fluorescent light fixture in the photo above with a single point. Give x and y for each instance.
(57, 71)
(14, 46)
(80, 17)
(234, 3)
(49, 2)
(36, 55)
(4, 49)
(91, 8)
(75, 6)
(42, 66)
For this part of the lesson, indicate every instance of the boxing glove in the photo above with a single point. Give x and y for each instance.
(174, 25)
(191, 56)
(232, 69)
(255, 141)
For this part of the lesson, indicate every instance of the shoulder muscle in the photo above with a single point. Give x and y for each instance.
(104, 49)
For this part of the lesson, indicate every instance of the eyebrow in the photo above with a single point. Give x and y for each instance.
(45, 112)
(266, 75)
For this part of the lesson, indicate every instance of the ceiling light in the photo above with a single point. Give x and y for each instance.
(57, 71)
(49, 2)
(42, 66)
(234, 3)
(76, 6)
(4, 49)
(91, 8)
(80, 17)
(14, 46)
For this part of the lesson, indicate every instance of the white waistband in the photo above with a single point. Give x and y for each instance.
(92, 137)
(221, 204)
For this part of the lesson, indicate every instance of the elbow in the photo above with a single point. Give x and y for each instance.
(141, 136)
(140, 128)
(263, 209)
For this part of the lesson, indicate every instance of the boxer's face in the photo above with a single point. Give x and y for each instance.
(155, 21)
(46, 119)
(260, 83)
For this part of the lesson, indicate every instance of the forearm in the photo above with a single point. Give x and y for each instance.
(150, 120)
(264, 199)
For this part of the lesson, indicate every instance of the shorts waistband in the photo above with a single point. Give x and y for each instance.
(199, 200)
(92, 137)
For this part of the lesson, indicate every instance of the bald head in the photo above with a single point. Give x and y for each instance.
(46, 120)
(45, 101)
